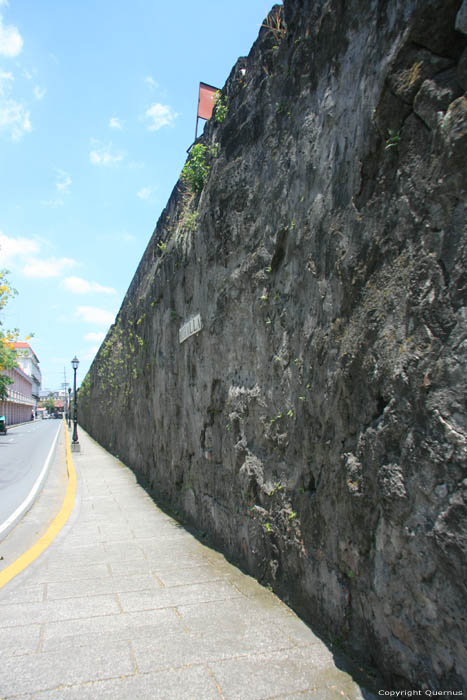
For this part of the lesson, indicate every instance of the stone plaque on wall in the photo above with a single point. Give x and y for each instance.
(194, 325)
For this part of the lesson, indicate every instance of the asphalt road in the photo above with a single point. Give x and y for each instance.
(25, 453)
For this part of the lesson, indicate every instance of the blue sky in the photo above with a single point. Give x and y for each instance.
(97, 108)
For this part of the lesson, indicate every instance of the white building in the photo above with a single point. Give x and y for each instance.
(29, 363)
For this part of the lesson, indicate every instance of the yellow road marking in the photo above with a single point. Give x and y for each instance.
(58, 523)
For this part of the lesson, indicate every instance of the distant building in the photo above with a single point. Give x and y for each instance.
(19, 405)
(29, 363)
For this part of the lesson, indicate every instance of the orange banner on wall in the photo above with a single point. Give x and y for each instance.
(207, 94)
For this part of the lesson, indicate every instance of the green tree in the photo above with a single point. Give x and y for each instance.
(49, 404)
(7, 338)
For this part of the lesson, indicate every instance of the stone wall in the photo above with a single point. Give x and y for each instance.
(316, 426)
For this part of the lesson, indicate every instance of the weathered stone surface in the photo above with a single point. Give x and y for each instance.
(316, 426)
(461, 19)
(462, 70)
(435, 96)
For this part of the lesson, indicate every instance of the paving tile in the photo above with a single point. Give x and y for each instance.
(117, 584)
(248, 585)
(173, 548)
(194, 683)
(297, 630)
(127, 550)
(260, 610)
(188, 575)
(254, 626)
(15, 593)
(103, 516)
(117, 535)
(152, 518)
(154, 525)
(165, 562)
(177, 595)
(149, 531)
(125, 626)
(77, 538)
(84, 555)
(204, 643)
(19, 640)
(36, 672)
(84, 530)
(157, 538)
(261, 676)
(75, 542)
(59, 571)
(133, 501)
(172, 651)
(16, 614)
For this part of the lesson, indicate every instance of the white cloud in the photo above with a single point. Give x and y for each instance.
(39, 92)
(23, 252)
(94, 337)
(43, 269)
(16, 247)
(52, 203)
(5, 79)
(63, 182)
(15, 118)
(77, 285)
(144, 193)
(63, 188)
(149, 80)
(92, 314)
(102, 154)
(11, 42)
(160, 115)
(116, 123)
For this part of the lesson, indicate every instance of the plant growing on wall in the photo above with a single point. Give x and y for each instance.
(393, 139)
(276, 24)
(189, 221)
(220, 107)
(195, 171)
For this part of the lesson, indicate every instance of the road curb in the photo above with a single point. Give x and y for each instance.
(56, 526)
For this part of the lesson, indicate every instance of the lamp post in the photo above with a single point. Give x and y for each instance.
(68, 411)
(74, 440)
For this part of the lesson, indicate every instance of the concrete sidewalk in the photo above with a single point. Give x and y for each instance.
(127, 604)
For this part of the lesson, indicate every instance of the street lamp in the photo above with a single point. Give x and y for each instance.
(68, 409)
(74, 440)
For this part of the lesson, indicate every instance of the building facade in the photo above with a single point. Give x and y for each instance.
(29, 363)
(20, 404)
